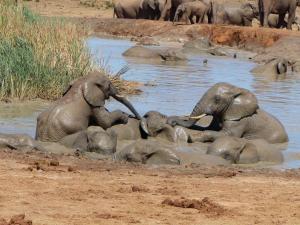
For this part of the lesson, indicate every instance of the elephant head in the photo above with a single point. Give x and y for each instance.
(96, 88)
(222, 101)
(250, 11)
(155, 124)
(235, 150)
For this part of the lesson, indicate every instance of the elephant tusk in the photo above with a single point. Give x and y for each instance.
(197, 117)
(120, 96)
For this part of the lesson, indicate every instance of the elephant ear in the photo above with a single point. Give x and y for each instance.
(93, 94)
(244, 104)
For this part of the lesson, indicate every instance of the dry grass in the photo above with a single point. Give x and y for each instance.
(40, 56)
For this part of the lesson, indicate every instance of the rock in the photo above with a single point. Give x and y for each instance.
(201, 44)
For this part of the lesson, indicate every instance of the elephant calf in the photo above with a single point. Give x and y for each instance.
(189, 10)
(81, 106)
(275, 68)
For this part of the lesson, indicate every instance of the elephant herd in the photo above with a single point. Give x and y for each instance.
(226, 126)
(270, 13)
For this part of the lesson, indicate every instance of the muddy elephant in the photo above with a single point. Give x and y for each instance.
(93, 139)
(147, 53)
(242, 151)
(153, 124)
(280, 7)
(17, 142)
(157, 153)
(82, 105)
(189, 10)
(129, 9)
(273, 69)
(241, 16)
(235, 113)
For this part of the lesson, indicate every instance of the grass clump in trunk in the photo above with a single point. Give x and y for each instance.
(38, 56)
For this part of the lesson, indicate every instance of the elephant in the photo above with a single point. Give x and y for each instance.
(170, 7)
(18, 142)
(274, 68)
(155, 152)
(93, 139)
(273, 21)
(130, 9)
(153, 124)
(81, 106)
(242, 151)
(151, 9)
(188, 10)
(280, 7)
(242, 16)
(235, 113)
(147, 53)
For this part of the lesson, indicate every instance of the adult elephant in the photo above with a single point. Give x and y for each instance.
(82, 105)
(236, 113)
(241, 16)
(280, 7)
(151, 9)
(129, 9)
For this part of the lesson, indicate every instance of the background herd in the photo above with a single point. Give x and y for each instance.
(268, 13)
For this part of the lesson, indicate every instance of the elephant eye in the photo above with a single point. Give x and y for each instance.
(217, 99)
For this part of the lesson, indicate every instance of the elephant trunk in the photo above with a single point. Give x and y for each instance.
(125, 102)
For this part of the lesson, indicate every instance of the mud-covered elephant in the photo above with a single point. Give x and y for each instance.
(242, 151)
(235, 113)
(153, 124)
(93, 139)
(147, 53)
(130, 9)
(241, 16)
(157, 153)
(280, 7)
(82, 105)
(189, 10)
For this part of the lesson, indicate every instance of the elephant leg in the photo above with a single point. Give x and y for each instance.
(291, 18)
(280, 21)
(191, 19)
(105, 119)
(265, 18)
(197, 19)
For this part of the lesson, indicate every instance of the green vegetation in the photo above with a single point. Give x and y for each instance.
(38, 56)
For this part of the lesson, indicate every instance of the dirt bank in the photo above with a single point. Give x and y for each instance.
(70, 190)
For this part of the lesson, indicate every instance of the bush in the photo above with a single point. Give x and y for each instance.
(38, 56)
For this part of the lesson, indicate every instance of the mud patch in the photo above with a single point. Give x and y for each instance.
(16, 220)
(206, 205)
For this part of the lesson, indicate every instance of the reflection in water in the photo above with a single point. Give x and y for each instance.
(180, 86)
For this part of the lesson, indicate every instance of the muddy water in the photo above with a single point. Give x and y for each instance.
(178, 87)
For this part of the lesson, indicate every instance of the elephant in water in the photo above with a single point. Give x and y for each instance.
(153, 124)
(242, 151)
(235, 113)
(157, 152)
(274, 68)
(147, 53)
(81, 106)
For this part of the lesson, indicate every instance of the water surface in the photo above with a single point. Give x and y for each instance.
(179, 87)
